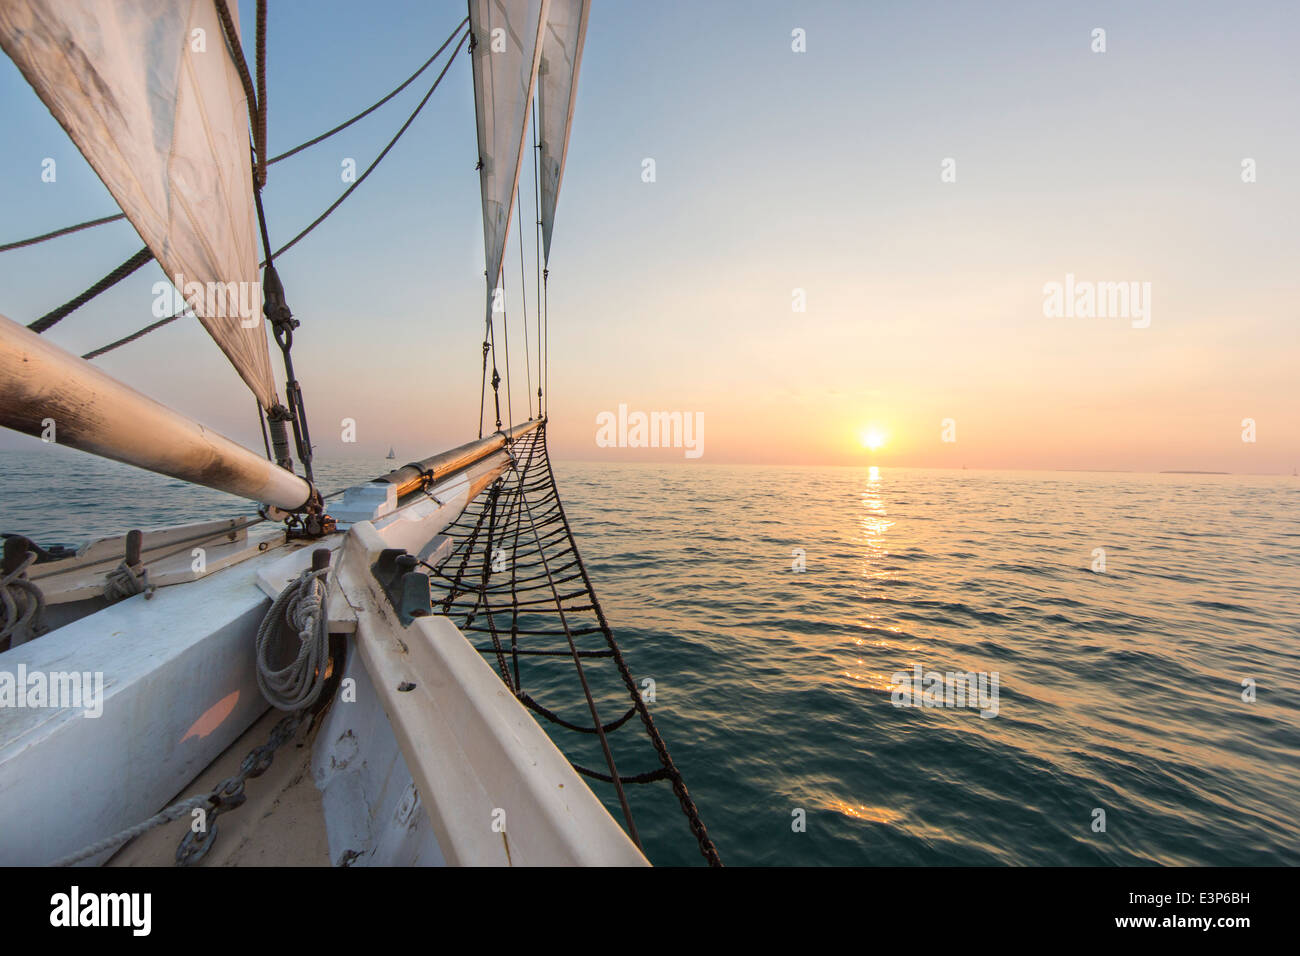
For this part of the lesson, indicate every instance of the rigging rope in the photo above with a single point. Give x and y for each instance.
(261, 94)
(370, 109)
(144, 255)
(113, 278)
(546, 351)
(275, 309)
(490, 345)
(369, 169)
(256, 117)
(523, 298)
(505, 327)
(537, 248)
(126, 340)
(91, 223)
(65, 231)
(482, 394)
(541, 613)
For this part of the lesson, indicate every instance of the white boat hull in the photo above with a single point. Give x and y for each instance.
(423, 757)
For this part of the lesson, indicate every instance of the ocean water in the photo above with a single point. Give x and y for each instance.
(1119, 691)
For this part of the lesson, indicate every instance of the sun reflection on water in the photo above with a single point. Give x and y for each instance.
(858, 811)
(875, 523)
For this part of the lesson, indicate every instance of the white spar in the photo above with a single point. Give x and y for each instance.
(43, 386)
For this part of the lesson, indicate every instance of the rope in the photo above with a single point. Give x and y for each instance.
(586, 688)
(523, 298)
(505, 328)
(113, 278)
(300, 607)
(22, 606)
(166, 815)
(391, 143)
(569, 633)
(370, 109)
(555, 718)
(537, 250)
(482, 393)
(544, 375)
(548, 601)
(650, 776)
(65, 231)
(68, 230)
(490, 341)
(127, 340)
(245, 80)
(226, 795)
(707, 848)
(261, 95)
(125, 581)
(303, 234)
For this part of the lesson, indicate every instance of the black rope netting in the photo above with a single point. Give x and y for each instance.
(516, 586)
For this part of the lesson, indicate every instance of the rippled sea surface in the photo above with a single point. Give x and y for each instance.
(1119, 691)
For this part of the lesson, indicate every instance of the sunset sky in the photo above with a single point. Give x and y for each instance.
(775, 171)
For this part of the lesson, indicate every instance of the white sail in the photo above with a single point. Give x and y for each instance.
(149, 94)
(557, 85)
(507, 45)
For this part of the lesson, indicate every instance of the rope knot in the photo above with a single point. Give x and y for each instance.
(127, 580)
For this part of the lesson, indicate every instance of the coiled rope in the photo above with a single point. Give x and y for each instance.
(299, 611)
(22, 604)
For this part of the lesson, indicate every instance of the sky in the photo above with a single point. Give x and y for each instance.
(779, 175)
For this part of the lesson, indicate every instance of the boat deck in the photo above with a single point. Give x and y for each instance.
(281, 824)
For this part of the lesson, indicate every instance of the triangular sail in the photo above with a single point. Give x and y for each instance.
(506, 37)
(557, 84)
(148, 92)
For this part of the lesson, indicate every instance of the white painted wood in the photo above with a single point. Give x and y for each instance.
(415, 526)
(273, 576)
(476, 755)
(290, 561)
(167, 553)
(112, 547)
(179, 687)
(434, 763)
(365, 502)
(373, 812)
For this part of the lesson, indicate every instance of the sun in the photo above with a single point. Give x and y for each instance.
(873, 439)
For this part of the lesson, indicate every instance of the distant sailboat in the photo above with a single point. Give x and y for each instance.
(392, 453)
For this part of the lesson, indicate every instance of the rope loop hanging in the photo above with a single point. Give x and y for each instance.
(22, 605)
(293, 643)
